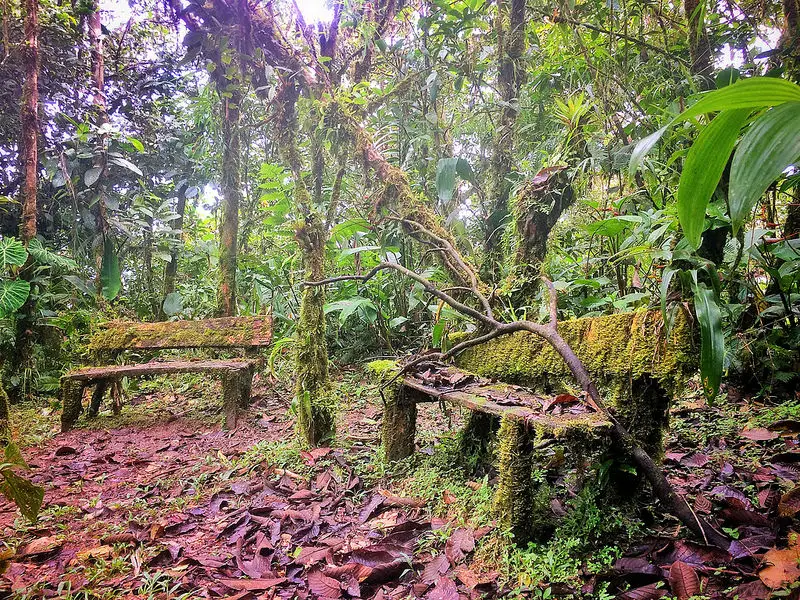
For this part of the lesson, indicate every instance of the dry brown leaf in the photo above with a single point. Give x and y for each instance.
(781, 565)
(683, 580)
(789, 504)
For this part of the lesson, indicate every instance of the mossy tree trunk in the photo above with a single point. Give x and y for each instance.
(510, 28)
(231, 197)
(316, 412)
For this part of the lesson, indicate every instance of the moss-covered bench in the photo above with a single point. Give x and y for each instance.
(116, 337)
(525, 403)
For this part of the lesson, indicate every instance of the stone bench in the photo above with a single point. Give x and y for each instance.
(119, 336)
(524, 403)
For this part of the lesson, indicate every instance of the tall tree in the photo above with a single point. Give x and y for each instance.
(510, 28)
(29, 163)
(103, 244)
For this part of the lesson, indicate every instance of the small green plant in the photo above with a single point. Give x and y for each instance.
(26, 495)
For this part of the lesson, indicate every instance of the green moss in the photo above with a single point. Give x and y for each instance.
(637, 367)
(5, 420)
(230, 332)
(316, 402)
(381, 367)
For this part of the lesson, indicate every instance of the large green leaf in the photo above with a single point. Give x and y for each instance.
(712, 340)
(173, 304)
(756, 92)
(703, 168)
(13, 294)
(446, 171)
(446, 178)
(769, 146)
(110, 276)
(26, 495)
(43, 256)
(12, 253)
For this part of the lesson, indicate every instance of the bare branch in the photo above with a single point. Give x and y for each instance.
(553, 303)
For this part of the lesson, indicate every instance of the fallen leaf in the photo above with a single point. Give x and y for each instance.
(324, 586)
(759, 434)
(789, 504)
(97, 552)
(436, 567)
(752, 590)
(683, 580)
(311, 555)
(459, 544)
(782, 567)
(448, 497)
(253, 585)
(39, 547)
(472, 580)
(445, 589)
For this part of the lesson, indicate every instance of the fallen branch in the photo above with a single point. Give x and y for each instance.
(493, 328)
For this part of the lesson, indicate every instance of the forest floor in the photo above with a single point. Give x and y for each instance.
(159, 502)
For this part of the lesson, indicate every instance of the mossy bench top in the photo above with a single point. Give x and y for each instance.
(159, 368)
(226, 332)
(554, 415)
(615, 349)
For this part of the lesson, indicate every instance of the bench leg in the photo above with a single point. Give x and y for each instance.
(71, 398)
(233, 383)
(97, 397)
(399, 423)
(518, 495)
(246, 388)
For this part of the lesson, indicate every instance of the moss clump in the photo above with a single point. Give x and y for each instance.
(382, 367)
(636, 365)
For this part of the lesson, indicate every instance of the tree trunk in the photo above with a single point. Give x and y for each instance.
(510, 26)
(100, 162)
(699, 44)
(23, 358)
(316, 407)
(231, 198)
(171, 270)
(538, 206)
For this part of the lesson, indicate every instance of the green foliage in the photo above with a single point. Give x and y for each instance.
(702, 169)
(110, 276)
(26, 495)
(712, 343)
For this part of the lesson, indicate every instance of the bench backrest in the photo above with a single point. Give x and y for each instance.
(624, 346)
(226, 332)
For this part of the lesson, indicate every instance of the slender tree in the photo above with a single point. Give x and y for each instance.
(23, 358)
(510, 28)
(100, 161)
